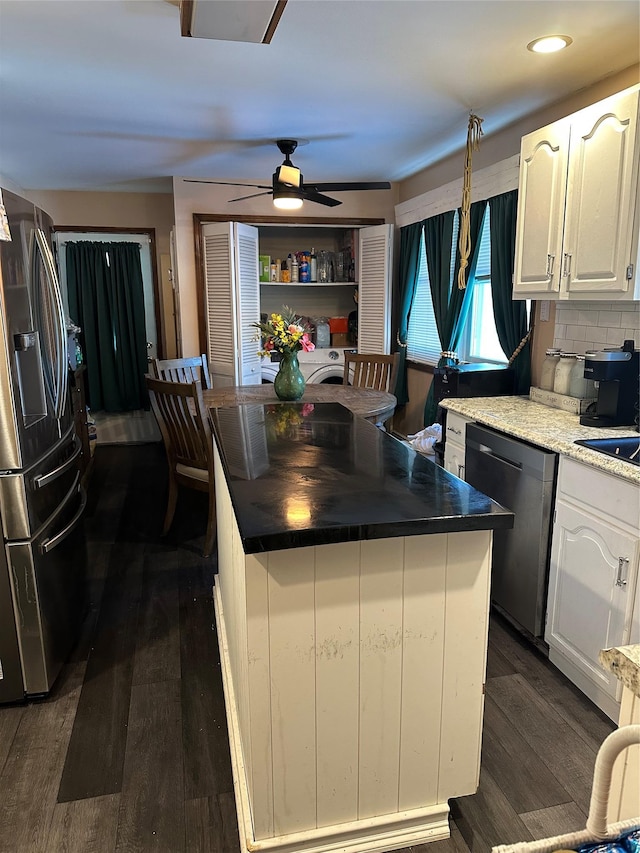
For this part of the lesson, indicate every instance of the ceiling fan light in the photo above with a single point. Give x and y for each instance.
(287, 201)
(288, 175)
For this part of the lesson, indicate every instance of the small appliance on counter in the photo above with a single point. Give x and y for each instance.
(616, 372)
(473, 380)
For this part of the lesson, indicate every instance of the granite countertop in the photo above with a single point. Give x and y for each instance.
(550, 428)
(624, 663)
(310, 474)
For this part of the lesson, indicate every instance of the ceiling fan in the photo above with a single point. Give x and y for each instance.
(289, 190)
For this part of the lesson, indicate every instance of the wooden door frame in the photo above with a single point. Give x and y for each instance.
(151, 234)
(200, 219)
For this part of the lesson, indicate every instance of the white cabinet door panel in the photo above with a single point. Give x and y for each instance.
(374, 292)
(454, 458)
(232, 302)
(541, 201)
(589, 590)
(600, 198)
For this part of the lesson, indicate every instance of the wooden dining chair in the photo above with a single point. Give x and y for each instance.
(371, 370)
(183, 369)
(183, 420)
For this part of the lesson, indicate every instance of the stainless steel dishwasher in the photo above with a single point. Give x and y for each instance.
(522, 478)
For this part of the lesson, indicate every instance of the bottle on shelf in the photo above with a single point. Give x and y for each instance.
(285, 273)
(313, 265)
(294, 268)
(304, 272)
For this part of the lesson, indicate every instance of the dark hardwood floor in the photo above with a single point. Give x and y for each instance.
(130, 750)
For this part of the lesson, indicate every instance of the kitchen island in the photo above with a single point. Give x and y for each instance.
(352, 608)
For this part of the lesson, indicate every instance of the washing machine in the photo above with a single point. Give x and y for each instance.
(321, 365)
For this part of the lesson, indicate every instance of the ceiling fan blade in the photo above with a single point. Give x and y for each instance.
(224, 183)
(254, 195)
(345, 186)
(309, 194)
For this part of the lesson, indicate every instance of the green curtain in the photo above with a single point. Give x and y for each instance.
(410, 237)
(510, 315)
(106, 299)
(450, 304)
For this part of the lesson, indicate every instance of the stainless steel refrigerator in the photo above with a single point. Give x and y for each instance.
(42, 500)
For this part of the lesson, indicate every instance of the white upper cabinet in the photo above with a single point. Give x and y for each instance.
(232, 302)
(541, 200)
(578, 207)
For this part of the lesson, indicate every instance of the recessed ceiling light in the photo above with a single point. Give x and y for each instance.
(549, 44)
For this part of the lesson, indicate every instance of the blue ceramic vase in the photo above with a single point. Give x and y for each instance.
(289, 382)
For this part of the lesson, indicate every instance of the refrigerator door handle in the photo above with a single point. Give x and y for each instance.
(60, 326)
(45, 479)
(48, 545)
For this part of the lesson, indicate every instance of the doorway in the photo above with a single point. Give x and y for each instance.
(120, 427)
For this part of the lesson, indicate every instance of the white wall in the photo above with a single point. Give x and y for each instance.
(190, 198)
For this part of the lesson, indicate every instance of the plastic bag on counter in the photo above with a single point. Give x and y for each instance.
(424, 440)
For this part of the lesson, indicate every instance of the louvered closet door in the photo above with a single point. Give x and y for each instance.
(232, 302)
(374, 291)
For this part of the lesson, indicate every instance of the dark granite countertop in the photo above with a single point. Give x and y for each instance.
(310, 474)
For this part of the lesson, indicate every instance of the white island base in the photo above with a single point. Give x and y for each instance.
(354, 685)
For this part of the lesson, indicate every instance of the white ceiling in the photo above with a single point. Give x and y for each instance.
(106, 94)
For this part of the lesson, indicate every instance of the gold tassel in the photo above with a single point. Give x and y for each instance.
(474, 132)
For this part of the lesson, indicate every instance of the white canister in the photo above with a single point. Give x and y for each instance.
(579, 385)
(548, 371)
(562, 379)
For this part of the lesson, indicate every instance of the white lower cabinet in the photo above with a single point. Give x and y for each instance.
(593, 577)
(454, 443)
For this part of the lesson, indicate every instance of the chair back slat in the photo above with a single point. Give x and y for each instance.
(186, 432)
(371, 370)
(183, 421)
(183, 369)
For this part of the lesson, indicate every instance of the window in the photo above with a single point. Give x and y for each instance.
(479, 340)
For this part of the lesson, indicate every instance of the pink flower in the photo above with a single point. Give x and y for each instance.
(307, 345)
(268, 345)
(307, 409)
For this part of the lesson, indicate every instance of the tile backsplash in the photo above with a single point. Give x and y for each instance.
(596, 325)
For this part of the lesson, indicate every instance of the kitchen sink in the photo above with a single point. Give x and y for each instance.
(620, 448)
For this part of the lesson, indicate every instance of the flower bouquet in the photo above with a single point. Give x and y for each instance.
(287, 334)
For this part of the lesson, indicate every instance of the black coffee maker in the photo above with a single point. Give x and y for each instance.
(617, 372)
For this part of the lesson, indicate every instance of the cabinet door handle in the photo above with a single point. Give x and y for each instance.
(454, 431)
(461, 471)
(550, 263)
(567, 264)
(623, 563)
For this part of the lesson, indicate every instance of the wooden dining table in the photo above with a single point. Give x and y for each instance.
(376, 406)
